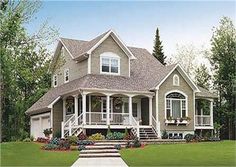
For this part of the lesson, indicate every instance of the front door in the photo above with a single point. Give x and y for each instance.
(104, 109)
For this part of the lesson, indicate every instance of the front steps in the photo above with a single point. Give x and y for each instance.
(147, 133)
(102, 149)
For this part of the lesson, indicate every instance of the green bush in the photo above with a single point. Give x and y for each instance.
(108, 130)
(192, 138)
(57, 134)
(137, 143)
(97, 136)
(73, 140)
(32, 138)
(81, 147)
(85, 142)
(118, 136)
(110, 136)
(27, 140)
(164, 134)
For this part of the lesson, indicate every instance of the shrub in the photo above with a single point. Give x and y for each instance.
(64, 144)
(129, 137)
(126, 134)
(47, 132)
(32, 138)
(117, 146)
(191, 138)
(58, 134)
(81, 147)
(42, 140)
(54, 141)
(82, 136)
(85, 142)
(27, 140)
(73, 140)
(118, 135)
(97, 136)
(164, 134)
(137, 143)
(110, 136)
(128, 145)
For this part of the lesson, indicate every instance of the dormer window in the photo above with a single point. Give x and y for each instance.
(66, 75)
(109, 63)
(55, 80)
(176, 80)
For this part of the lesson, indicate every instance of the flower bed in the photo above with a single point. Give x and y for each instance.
(57, 144)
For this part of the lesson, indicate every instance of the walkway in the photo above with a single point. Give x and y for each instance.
(101, 154)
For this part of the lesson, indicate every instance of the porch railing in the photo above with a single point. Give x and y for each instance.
(119, 119)
(202, 120)
(155, 125)
(135, 129)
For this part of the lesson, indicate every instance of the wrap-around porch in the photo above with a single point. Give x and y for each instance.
(99, 109)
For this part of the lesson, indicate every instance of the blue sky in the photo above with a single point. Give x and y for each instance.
(136, 22)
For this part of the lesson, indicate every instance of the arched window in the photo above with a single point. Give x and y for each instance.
(176, 80)
(176, 105)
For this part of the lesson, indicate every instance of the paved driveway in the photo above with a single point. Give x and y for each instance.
(100, 162)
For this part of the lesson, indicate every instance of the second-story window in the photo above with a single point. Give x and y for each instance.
(66, 75)
(55, 80)
(109, 64)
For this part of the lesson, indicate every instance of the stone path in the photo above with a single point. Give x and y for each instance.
(102, 154)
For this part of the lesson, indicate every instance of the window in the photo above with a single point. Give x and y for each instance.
(109, 63)
(176, 80)
(54, 80)
(66, 75)
(176, 105)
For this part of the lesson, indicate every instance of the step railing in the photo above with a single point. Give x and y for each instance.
(135, 129)
(155, 125)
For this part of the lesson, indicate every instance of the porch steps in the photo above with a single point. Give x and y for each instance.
(147, 133)
(101, 150)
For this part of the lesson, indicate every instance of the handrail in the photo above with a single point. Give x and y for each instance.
(156, 124)
(73, 123)
(136, 125)
(69, 119)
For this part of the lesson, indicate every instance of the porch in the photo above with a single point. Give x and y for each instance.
(204, 113)
(97, 110)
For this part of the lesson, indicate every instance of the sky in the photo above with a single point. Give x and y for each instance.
(179, 22)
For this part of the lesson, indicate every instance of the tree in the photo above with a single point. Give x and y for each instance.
(202, 77)
(223, 61)
(24, 66)
(158, 49)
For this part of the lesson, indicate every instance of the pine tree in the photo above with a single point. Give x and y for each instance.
(158, 49)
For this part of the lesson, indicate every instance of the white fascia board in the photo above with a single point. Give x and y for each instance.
(66, 49)
(51, 105)
(118, 41)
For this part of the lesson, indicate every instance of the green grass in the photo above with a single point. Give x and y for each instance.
(193, 154)
(30, 154)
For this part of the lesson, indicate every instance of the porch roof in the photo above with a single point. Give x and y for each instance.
(204, 93)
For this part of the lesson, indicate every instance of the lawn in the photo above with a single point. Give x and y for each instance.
(30, 154)
(201, 154)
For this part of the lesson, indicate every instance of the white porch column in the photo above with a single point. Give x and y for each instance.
(150, 110)
(90, 109)
(62, 129)
(84, 108)
(211, 112)
(64, 109)
(76, 108)
(130, 110)
(108, 109)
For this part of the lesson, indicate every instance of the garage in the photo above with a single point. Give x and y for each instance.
(38, 124)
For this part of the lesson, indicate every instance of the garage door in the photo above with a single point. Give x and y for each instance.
(35, 129)
(38, 125)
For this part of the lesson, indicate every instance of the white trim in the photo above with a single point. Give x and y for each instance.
(66, 49)
(104, 99)
(110, 56)
(54, 101)
(184, 75)
(176, 77)
(194, 108)
(65, 70)
(53, 80)
(111, 32)
(89, 64)
(186, 102)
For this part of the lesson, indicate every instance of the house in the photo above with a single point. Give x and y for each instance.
(103, 82)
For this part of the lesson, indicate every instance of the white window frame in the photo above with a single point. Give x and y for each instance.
(186, 103)
(55, 85)
(110, 56)
(176, 80)
(65, 72)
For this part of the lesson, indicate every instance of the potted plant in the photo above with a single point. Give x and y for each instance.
(47, 132)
